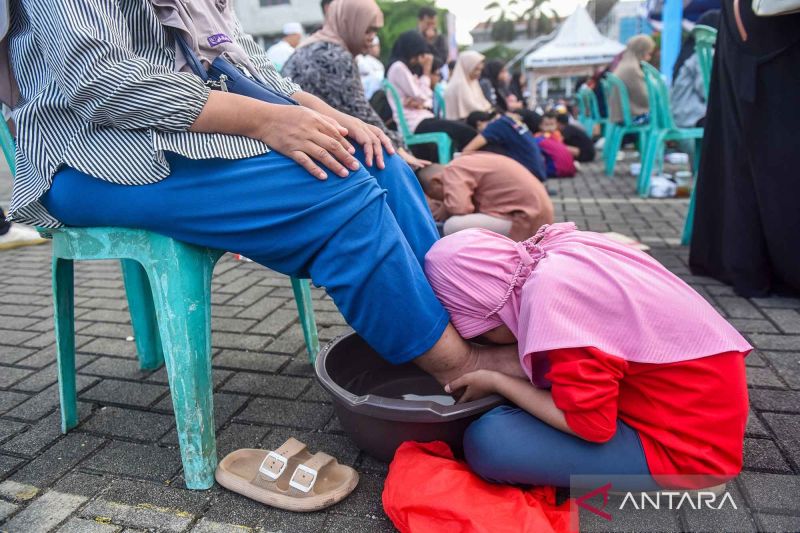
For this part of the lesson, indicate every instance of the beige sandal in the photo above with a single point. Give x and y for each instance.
(289, 478)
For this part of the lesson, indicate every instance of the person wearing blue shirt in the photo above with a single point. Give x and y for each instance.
(509, 136)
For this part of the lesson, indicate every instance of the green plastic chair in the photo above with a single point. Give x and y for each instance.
(616, 132)
(440, 108)
(705, 38)
(589, 111)
(664, 129)
(442, 141)
(168, 285)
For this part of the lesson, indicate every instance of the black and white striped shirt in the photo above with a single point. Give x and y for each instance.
(99, 94)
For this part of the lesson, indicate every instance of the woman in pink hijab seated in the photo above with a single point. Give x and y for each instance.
(624, 370)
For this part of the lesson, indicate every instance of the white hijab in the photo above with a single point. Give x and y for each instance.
(464, 94)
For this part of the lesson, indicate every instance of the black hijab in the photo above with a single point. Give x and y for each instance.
(409, 45)
(491, 73)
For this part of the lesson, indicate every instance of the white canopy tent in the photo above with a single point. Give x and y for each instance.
(577, 49)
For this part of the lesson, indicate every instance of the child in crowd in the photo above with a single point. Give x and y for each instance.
(559, 160)
(578, 143)
(624, 368)
(487, 190)
(509, 136)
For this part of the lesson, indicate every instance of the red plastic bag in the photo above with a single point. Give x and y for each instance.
(429, 491)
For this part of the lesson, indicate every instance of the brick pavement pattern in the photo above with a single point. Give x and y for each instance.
(120, 469)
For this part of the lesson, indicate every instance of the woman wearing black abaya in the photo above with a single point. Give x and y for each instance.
(747, 220)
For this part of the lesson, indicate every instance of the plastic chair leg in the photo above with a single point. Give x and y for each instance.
(64, 299)
(616, 143)
(305, 308)
(688, 226)
(143, 315)
(182, 297)
(445, 151)
(649, 156)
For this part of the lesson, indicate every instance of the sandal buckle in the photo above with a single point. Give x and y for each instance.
(265, 467)
(299, 486)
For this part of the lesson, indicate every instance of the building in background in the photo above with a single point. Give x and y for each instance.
(624, 20)
(264, 19)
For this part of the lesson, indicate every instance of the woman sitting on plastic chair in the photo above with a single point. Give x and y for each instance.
(114, 130)
(409, 72)
(640, 48)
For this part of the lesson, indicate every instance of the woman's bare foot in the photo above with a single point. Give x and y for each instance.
(451, 357)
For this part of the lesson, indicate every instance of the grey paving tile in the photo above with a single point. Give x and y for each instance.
(763, 377)
(8, 464)
(237, 436)
(6, 510)
(266, 385)
(763, 455)
(239, 341)
(111, 391)
(41, 434)
(256, 361)
(230, 508)
(82, 483)
(9, 399)
(286, 413)
(775, 400)
(9, 428)
(275, 323)
(775, 342)
(10, 375)
(44, 513)
(775, 492)
(754, 426)
(773, 523)
(787, 365)
(81, 525)
(128, 423)
(42, 403)
(57, 460)
(141, 461)
(786, 428)
(147, 518)
(788, 320)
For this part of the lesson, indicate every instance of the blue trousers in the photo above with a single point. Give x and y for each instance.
(363, 237)
(509, 445)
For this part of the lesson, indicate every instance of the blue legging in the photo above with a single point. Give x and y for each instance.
(363, 238)
(509, 445)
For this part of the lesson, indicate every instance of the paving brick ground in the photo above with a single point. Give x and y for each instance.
(120, 469)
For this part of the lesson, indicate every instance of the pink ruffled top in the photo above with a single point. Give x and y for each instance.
(565, 288)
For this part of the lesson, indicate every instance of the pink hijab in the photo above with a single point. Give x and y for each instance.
(564, 288)
(347, 23)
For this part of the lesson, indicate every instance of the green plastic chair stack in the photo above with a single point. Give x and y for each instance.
(704, 39)
(664, 129)
(442, 141)
(589, 111)
(168, 285)
(615, 87)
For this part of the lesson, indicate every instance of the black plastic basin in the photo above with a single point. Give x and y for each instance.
(368, 396)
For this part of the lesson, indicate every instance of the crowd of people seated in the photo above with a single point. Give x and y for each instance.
(478, 103)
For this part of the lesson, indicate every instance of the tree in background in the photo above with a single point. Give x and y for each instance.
(539, 19)
(399, 17)
(502, 26)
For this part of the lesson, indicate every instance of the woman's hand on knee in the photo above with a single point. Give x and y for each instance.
(307, 136)
(370, 137)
